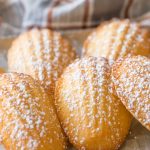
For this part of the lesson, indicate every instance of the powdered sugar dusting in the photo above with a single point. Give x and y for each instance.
(85, 92)
(117, 39)
(132, 82)
(45, 55)
(25, 123)
(52, 54)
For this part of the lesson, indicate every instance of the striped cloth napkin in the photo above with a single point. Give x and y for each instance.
(19, 15)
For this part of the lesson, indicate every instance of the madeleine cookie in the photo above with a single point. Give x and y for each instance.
(43, 54)
(117, 38)
(91, 115)
(131, 78)
(27, 116)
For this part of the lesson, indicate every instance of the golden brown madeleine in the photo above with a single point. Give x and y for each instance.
(131, 78)
(91, 115)
(43, 54)
(27, 117)
(117, 38)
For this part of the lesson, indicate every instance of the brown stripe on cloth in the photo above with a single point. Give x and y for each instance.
(1, 20)
(50, 13)
(67, 27)
(86, 13)
(127, 8)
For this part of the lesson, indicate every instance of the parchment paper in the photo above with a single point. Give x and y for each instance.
(138, 137)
